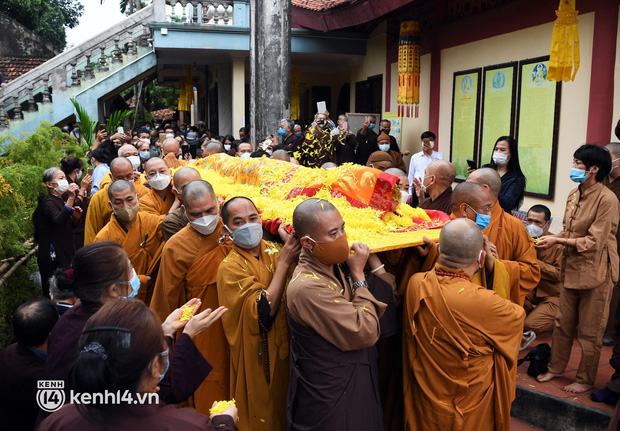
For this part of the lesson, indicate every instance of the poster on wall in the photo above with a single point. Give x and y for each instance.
(537, 126)
(465, 114)
(498, 106)
(396, 126)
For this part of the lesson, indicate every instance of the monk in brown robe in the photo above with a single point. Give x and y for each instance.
(250, 283)
(437, 183)
(514, 246)
(138, 233)
(188, 269)
(334, 327)
(99, 211)
(159, 200)
(461, 363)
(176, 220)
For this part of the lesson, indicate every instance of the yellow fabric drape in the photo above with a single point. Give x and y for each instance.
(186, 98)
(409, 50)
(295, 94)
(564, 44)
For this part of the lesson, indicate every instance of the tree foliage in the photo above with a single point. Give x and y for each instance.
(160, 97)
(47, 18)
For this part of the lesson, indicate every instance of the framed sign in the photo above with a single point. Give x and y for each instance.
(465, 119)
(538, 116)
(499, 90)
(396, 124)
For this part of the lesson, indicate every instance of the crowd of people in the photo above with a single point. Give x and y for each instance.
(304, 330)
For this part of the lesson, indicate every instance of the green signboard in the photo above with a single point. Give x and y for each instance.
(465, 115)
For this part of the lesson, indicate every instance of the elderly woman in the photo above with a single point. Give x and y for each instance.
(124, 350)
(101, 273)
(54, 220)
(589, 267)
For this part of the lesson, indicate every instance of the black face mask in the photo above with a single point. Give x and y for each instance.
(386, 131)
(321, 123)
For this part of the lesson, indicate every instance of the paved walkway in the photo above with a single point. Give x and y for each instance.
(554, 386)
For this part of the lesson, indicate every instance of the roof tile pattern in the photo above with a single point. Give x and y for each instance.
(14, 67)
(320, 5)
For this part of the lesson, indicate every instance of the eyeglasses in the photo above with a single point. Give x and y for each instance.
(486, 208)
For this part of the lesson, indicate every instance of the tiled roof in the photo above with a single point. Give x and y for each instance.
(162, 114)
(14, 67)
(320, 5)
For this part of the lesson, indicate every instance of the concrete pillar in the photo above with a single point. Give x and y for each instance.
(238, 95)
(225, 100)
(270, 66)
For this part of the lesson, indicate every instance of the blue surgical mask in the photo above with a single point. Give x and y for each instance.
(282, 131)
(298, 134)
(145, 155)
(371, 126)
(135, 286)
(384, 147)
(578, 175)
(482, 220)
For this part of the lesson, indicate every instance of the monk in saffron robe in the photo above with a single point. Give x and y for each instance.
(159, 200)
(334, 328)
(250, 283)
(177, 220)
(171, 150)
(514, 245)
(188, 269)
(99, 211)
(138, 233)
(461, 342)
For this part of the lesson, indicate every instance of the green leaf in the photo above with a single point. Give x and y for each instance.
(116, 119)
(86, 124)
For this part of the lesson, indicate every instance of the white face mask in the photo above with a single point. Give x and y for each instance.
(135, 161)
(534, 231)
(245, 155)
(500, 159)
(160, 182)
(404, 195)
(206, 224)
(612, 163)
(247, 236)
(62, 187)
(226, 147)
(79, 174)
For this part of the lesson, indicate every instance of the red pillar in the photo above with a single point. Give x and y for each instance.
(440, 12)
(600, 111)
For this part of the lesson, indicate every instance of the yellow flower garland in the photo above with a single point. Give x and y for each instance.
(272, 186)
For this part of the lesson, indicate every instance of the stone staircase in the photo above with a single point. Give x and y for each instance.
(98, 67)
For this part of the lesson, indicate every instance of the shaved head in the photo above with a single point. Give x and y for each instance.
(460, 243)
(443, 170)
(281, 155)
(127, 150)
(120, 186)
(195, 190)
(472, 194)
(151, 161)
(231, 206)
(614, 149)
(170, 145)
(396, 172)
(121, 169)
(184, 175)
(488, 177)
(305, 217)
(214, 147)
